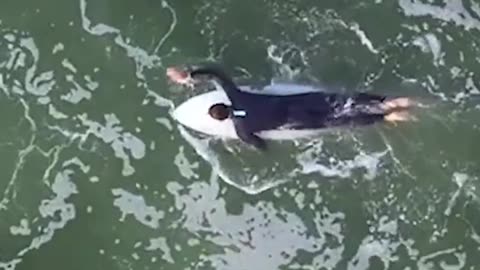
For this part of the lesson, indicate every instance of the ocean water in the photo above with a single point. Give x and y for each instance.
(96, 174)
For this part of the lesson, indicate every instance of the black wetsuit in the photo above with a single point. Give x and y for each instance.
(252, 113)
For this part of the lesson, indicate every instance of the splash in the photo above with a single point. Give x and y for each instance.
(34, 91)
(131, 204)
(55, 212)
(23, 229)
(185, 167)
(121, 142)
(261, 236)
(142, 58)
(453, 11)
(430, 43)
(161, 244)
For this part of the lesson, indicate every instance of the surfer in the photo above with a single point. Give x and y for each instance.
(252, 113)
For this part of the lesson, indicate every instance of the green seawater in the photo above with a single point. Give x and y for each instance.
(96, 174)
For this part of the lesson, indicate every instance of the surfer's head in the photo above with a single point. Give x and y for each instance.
(219, 111)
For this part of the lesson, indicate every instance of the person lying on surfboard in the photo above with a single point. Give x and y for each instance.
(252, 113)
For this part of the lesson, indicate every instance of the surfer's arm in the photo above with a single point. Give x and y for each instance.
(252, 139)
(365, 97)
(247, 136)
(220, 76)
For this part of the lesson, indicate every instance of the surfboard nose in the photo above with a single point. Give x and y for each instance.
(182, 114)
(193, 113)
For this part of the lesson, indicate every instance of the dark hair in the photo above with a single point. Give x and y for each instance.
(219, 111)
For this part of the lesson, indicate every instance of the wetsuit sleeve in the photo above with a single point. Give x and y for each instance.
(365, 98)
(220, 76)
(248, 137)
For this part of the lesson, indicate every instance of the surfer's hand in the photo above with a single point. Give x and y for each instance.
(260, 145)
(179, 76)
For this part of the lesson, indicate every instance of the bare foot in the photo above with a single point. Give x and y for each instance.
(397, 103)
(399, 116)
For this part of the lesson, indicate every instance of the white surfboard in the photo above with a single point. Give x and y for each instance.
(193, 113)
